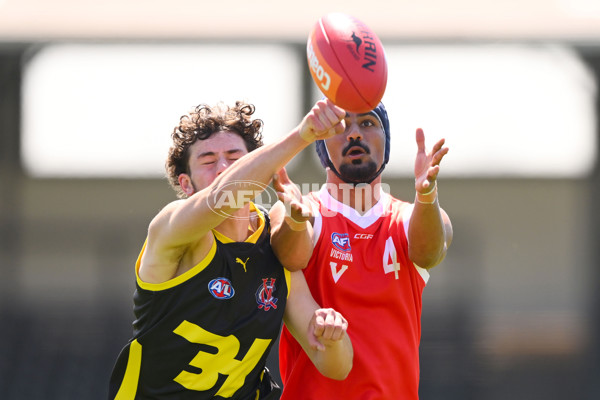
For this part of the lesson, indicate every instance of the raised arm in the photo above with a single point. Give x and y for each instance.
(321, 332)
(291, 219)
(430, 229)
(185, 222)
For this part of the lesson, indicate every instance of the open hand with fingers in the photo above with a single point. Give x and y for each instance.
(427, 164)
(296, 207)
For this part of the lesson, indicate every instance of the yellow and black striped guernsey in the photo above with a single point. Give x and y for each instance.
(206, 334)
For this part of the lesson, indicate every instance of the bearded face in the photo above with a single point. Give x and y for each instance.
(358, 153)
(360, 169)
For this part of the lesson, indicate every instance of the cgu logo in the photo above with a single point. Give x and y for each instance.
(363, 236)
(221, 288)
(341, 241)
(318, 71)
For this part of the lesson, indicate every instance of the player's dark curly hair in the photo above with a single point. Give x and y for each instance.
(202, 123)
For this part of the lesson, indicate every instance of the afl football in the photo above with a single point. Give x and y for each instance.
(347, 62)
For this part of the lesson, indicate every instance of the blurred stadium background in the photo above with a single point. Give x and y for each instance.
(89, 92)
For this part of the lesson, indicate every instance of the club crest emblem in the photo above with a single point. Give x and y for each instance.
(221, 288)
(264, 295)
(341, 241)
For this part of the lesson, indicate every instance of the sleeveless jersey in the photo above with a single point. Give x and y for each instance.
(360, 267)
(207, 333)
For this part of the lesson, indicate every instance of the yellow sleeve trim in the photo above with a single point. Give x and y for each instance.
(288, 280)
(128, 388)
(179, 279)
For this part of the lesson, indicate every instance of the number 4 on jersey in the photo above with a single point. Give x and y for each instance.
(390, 258)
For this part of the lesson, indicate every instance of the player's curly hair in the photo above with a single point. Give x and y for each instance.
(202, 123)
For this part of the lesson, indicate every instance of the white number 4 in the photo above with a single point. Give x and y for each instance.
(389, 254)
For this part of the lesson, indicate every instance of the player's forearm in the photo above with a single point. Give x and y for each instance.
(427, 239)
(292, 244)
(336, 361)
(258, 167)
(255, 170)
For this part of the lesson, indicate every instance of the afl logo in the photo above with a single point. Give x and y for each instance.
(221, 288)
(341, 241)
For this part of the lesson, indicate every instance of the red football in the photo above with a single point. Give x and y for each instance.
(347, 62)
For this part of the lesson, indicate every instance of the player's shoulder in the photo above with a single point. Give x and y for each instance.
(393, 199)
(313, 196)
(164, 214)
(315, 200)
(394, 202)
(397, 209)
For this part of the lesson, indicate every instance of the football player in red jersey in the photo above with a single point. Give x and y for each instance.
(370, 259)
(210, 292)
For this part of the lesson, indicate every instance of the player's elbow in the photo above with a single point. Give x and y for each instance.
(294, 256)
(336, 362)
(337, 372)
(427, 258)
(343, 372)
(294, 267)
(290, 261)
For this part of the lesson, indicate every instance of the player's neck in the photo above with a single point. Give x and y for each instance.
(238, 227)
(360, 197)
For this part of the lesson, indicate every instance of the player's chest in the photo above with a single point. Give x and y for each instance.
(252, 279)
(352, 257)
